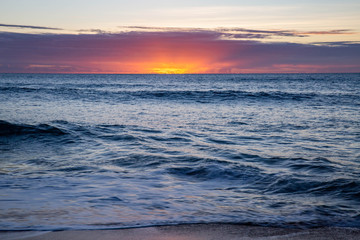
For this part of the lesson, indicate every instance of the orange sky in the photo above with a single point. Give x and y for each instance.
(171, 56)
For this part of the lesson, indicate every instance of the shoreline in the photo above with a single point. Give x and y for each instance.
(211, 231)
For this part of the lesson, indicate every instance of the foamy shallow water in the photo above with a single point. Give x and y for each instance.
(104, 151)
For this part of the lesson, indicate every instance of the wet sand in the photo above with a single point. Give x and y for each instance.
(191, 232)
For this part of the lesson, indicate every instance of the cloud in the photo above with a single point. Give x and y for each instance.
(285, 32)
(229, 33)
(29, 27)
(243, 32)
(337, 44)
(98, 31)
(330, 32)
(196, 51)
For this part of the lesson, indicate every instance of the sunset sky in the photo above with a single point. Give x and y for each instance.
(199, 36)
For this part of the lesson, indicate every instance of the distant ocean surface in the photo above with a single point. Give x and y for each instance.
(110, 151)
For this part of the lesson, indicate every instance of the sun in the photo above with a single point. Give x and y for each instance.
(170, 70)
(171, 67)
(183, 66)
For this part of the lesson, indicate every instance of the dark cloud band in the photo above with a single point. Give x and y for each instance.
(29, 27)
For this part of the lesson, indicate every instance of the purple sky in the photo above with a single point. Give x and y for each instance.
(151, 50)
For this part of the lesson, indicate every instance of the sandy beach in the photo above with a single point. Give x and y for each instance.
(191, 232)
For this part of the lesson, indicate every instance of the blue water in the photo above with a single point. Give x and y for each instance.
(112, 151)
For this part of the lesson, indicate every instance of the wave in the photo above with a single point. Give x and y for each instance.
(296, 178)
(201, 96)
(9, 129)
(139, 167)
(211, 95)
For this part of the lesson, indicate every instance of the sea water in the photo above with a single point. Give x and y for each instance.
(110, 151)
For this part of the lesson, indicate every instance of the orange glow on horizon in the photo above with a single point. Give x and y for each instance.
(191, 66)
(170, 70)
(174, 68)
(184, 64)
(173, 55)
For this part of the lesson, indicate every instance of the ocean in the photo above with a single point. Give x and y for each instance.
(97, 151)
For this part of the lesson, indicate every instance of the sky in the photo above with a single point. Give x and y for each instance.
(198, 36)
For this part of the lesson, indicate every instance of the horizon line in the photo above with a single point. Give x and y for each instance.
(85, 73)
